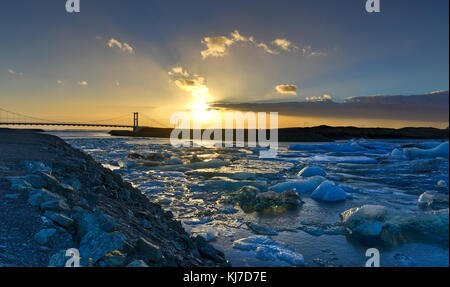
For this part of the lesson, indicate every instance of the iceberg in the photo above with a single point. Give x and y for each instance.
(328, 191)
(268, 249)
(311, 171)
(342, 159)
(388, 225)
(417, 153)
(300, 185)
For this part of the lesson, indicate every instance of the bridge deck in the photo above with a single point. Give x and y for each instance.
(66, 124)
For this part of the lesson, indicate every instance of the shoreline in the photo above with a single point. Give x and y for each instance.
(55, 197)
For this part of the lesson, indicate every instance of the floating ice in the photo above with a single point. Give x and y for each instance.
(378, 221)
(442, 183)
(366, 220)
(268, 249)
(311, 171)
(300, 185)
(417, 153)
(432, 200)
(351, 146)
(328, 191)
(214, 163)
(174, 161)
(342, 159)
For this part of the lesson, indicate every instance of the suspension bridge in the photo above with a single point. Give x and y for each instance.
(129, 121)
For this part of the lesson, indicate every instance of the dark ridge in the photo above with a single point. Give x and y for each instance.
(315, 134)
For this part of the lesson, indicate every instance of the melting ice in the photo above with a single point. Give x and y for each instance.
(314, 204)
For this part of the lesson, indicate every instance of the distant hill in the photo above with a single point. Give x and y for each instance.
(317, 134)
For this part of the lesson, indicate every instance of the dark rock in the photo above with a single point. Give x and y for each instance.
(55, 205)
(36, 181)
(39, 196)
(45, 235)
(114, 259)
(209, 252)
(96, 244)
(137, 263)
(150, 251)
(59, 218)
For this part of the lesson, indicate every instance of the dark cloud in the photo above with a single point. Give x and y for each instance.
(287, 89)
(428, 107)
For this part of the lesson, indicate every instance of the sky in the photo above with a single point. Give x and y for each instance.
(160, 57)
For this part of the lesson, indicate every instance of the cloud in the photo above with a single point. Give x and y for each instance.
(267, 49)
(319, 99)
(431, 107)
(14, 73)
(287, 89)
(194, 84)
(82, 83)
(218, 46)
(284, 44)
(178, 71)
(125, 47)
(307, 51)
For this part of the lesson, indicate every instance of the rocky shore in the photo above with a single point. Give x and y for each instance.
(54, 198)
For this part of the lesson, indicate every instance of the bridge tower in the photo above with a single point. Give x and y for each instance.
(135, 121)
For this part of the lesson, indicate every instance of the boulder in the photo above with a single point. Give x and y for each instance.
(58, 259)
(150, 251)
(207, 251)
(39, 196)
(55, 205)
(137, 263)
(96, 244)
(114, 259)
(250, 199)
(246, 196)
(328, 191)
(59, 218)
(86, 221)
(18, 183)
(45, 235)
(277, 202)
(36, 181)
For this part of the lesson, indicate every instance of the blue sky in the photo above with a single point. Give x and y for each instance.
(336, 49)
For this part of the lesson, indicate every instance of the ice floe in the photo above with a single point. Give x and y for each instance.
(268, 249)
(328, 191)
(441, 150)
(312, 171)
(299, 185)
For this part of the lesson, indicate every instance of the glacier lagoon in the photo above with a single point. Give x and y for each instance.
(196, 185)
